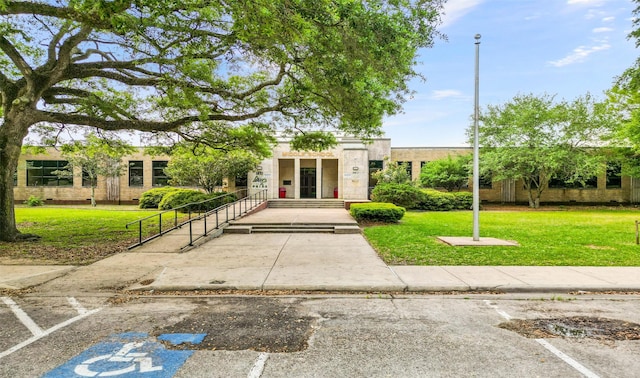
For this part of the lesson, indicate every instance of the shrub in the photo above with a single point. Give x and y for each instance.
(377, 212)
(34, 201)
(182, 197)
(151, 198)
(434, 200)
(405, 195)
(462, 200)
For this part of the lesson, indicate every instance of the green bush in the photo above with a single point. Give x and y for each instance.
(462, 200)
(405, 195)
(377, 212)
(34, 201)
(435, 200)
(182, 197)
(151, 198)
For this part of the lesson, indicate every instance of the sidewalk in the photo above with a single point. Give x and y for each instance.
(301, 261)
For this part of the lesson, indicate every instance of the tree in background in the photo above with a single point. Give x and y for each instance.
(392, 173)
(451, 173)
(200, 68)
(207, 168)
(95, 156)
(535, 139)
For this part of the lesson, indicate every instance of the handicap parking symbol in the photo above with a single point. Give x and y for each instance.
(129, 355)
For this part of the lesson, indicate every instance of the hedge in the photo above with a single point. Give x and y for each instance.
(377, 212)
(405, 195)
(151, 198)
(182, 197)
(412, 197)
(435, 200)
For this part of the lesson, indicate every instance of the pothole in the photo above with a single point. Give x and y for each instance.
(146, 282)
(575, 327)
(260, 324)
(217, 282)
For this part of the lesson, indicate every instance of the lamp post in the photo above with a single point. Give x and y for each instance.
(476, 148)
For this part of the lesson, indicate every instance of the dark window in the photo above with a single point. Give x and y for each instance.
(158, 177)
(15, 177)
(590, 183)
(136, 173)
(408, 165)
(242, 181)
(614, 176)
(485, 182)
(374, 166)
(47, 173)
(422, 164)
(86, 180)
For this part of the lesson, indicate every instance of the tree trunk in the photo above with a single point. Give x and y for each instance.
(93, 194)
(12, 134)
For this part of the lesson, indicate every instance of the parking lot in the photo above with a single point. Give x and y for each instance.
(321, 336)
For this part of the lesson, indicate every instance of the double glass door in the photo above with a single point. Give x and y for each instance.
(307, 183)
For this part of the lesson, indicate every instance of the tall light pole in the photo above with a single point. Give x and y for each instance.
(476, 149)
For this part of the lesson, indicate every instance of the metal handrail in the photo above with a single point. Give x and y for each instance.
(254, 200)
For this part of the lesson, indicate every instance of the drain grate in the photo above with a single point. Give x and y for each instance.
(260, 324)
(575, 327)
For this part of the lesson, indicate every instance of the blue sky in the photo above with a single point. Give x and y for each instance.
(562, 47)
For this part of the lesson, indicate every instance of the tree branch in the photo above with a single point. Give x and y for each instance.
(144, 125)
(15, 57)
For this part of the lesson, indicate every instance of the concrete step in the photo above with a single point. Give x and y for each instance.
(281, 228)
(306, 204)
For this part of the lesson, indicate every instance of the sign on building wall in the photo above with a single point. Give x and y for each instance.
(260, 180)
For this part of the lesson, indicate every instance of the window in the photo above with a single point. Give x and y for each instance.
(374, 166)
(485, 181)
(86, 180)
(41, 173)
(409, 165)
(422, 164)
(242, 181)
(590, 183)
(614, 176)
(158, 177)
(136, 173)
(15, 177)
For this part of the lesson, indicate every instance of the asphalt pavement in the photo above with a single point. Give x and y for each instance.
(290, 260)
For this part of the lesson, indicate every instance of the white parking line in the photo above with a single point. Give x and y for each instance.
(42, 333)
(258, 366)
(76, 305)
(22, 316)
(558, 353)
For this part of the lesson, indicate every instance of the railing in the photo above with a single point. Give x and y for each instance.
(222, 214)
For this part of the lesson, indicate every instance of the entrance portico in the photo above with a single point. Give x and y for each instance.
(340, 172)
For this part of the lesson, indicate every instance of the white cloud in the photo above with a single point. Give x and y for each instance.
(446, 93)
(608, 19)
(579, 55)
(584, 2)
(456, 9)
(602, 30)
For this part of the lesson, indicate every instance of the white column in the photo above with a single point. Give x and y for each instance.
(296, 178)
(318, 178)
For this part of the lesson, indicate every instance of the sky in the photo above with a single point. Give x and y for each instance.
(560, 47)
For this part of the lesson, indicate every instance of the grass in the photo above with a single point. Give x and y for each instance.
(566, 237)
(73, 234)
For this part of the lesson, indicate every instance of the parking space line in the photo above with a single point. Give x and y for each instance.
(45, 333)
(558, 353)
(258, 366)
(22, 316)
(76, 305)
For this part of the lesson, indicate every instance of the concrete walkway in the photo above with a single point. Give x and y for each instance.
(301, 261)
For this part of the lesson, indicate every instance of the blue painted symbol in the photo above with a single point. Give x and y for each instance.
(129, 355)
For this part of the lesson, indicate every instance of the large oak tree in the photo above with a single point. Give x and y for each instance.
(199, 68)
(536, 139)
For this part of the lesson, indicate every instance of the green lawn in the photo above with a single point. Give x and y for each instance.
(73, 234)
(579, 237)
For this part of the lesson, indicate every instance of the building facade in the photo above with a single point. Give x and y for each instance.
(343, 172)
